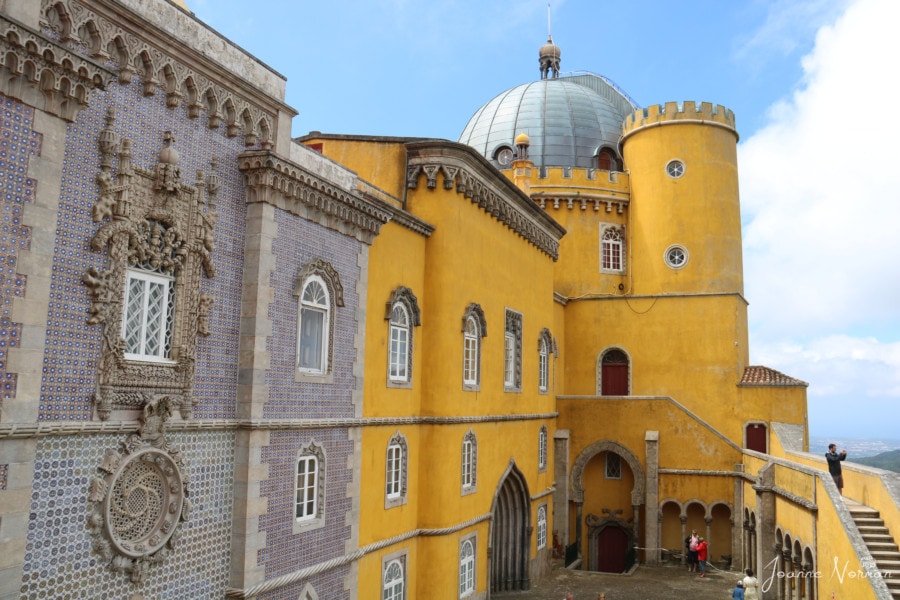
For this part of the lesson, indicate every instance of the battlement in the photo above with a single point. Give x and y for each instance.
(679, 112)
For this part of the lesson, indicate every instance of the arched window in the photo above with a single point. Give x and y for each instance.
(545, 344)
(399, 351)
(394, 581)
(613, 373)
(318, 291)
(474, 328)
(396, 471)
(470, 352)
(542, 449)
(466, 568)
(469, 462)
(512, 352)
(612, 249)
(607, 160)
(402, 315)
(542, 526)
(310, 487)
(314, 327)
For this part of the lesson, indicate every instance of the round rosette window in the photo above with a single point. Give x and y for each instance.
(144, 503)
(676, 256)
(675, 169)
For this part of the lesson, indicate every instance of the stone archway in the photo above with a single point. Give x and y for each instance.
(577, 482)
(510, 533)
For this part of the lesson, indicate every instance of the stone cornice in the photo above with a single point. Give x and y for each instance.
(58, 428)
(173, 52)
(286, 185)
(401, 217)
(45, 74)
(595, 202)
(473, 176)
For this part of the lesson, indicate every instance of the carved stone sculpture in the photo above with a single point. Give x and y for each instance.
(154, 225)
(136, 509)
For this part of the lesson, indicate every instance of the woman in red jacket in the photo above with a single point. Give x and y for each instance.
(702, 553)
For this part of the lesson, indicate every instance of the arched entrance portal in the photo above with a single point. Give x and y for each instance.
(510, 535)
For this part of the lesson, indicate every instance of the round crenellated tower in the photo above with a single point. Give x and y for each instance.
(685, 209)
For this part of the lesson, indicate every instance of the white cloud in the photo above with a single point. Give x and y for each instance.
(820, 187)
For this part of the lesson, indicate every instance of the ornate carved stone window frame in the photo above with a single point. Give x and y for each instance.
(316, 450)
(151, 221)
(332, 280)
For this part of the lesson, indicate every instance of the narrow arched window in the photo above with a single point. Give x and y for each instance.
(542, 449)
(469, 462)
(394, 581)
(307, 487)
(612, 249)
(471, 341)
(542, 526)
(399, 344)
(466, 568)
(395, 471)
(315, 320)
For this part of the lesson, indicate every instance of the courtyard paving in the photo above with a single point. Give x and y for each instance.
(643, 583)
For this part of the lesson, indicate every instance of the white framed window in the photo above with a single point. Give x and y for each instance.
(307, 488)
(399, 350)
(148, 316)
(402, 314)
(612, 248)
(675, 169)
(542, 526)
(395, 471)
(542, 449)
(394, 581)
(309, 499)
(676, 256)
(471, 341)
(314, 327)
(469, 462)
(467, 567)
(543, 365)
(509, 360)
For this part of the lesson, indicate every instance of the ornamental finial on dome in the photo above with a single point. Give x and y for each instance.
(549, 53)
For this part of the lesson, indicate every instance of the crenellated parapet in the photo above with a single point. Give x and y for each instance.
(573, 188)
(679, 113)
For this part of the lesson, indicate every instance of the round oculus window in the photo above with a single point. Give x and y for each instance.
(676, 256)
(505, 157)
(675, 169)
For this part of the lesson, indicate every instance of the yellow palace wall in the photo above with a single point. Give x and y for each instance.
(469, 257)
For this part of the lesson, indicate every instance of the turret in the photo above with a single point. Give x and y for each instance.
(685, 217)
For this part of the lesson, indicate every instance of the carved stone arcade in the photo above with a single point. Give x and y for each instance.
(152, 221)
(140, 498)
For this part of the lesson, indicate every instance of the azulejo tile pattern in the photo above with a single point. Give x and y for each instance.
(298, 242)
(285, 551)
(71, 351)
(18, 143)
(58, 558)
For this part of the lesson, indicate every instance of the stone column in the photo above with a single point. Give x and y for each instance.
(253, 360)
(561, 496)
(766, 518)
(651, 501)
(737, 516)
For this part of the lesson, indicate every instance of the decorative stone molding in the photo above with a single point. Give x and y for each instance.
(140, 498)
(472, 176)
(155, 223)
(475, 311)
(44, 74)
(405, 296)
(272, 179)
(102, 35)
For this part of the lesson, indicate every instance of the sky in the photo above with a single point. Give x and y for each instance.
(808, 80)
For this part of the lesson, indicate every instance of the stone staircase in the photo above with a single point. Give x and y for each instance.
(879, 542)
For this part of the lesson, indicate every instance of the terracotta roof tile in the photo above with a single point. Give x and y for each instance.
(758, 375)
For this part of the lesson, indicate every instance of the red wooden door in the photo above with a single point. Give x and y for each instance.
(756, 437)
(612, 547)
(614, 379)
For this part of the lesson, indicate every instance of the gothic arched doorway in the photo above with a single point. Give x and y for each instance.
(510, 535)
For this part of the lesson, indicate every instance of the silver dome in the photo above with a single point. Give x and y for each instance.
(568, 120)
